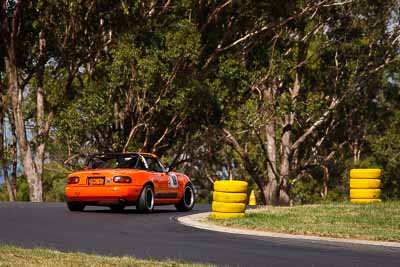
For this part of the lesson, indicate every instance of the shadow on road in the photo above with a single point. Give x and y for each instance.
(127, 211)
(157, 210)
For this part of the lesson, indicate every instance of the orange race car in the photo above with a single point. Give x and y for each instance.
(126, 179)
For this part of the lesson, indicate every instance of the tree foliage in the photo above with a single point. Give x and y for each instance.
(288, 95)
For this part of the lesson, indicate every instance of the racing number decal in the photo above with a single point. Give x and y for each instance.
(172, 180)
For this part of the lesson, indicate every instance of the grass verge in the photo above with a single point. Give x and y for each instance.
(14, 256)
(378, 221)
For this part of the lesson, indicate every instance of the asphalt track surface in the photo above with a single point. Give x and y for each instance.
(159, 236)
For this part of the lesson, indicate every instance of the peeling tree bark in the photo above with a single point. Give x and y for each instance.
(30, 171)
(271, 192)
(33, 165)
(285, 160)
(286, 143)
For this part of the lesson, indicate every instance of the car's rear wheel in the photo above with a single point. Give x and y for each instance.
(117, 208)
(145, 202)
(75, 206)
(187, 201)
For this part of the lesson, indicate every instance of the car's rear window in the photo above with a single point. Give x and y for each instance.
(135, 161)
(108, 162)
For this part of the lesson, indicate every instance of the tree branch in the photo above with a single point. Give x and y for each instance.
(335, 102)
(273, 25)
(214, 14)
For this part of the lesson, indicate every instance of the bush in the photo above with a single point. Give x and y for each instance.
(54, 181)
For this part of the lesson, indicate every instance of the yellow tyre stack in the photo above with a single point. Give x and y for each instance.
(365, 185)
(229, 199)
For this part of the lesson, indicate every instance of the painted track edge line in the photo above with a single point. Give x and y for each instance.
(194, 220)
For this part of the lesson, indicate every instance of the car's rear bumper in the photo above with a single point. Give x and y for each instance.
(102, 193)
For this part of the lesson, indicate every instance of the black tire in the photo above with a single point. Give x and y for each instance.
(145, 203)
(188, 199)
(75, 206)
(117, 208)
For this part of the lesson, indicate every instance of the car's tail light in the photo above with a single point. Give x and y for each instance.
(73, 180)
(122, 179)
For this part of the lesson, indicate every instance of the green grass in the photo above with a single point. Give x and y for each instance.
(13, 256)
(379, 221)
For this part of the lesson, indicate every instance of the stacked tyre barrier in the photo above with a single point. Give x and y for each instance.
(229, 199)
(365, 185)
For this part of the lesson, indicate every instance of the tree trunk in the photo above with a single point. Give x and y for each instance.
(285, 161)
(40, 116)
(324, 193)
(271, 191)
(11, 188)
(13, 155)
(286, 143)
(34, 181)
(356, 151)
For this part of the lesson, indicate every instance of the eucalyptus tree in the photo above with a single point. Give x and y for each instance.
(308, 63)
(45, 44)
(145, 94)
(225, 88)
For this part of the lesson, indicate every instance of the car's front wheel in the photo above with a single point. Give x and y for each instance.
(75, 206)
(187, 201)
(145, 202)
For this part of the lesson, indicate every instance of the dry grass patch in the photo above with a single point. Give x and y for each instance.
(13, 256)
